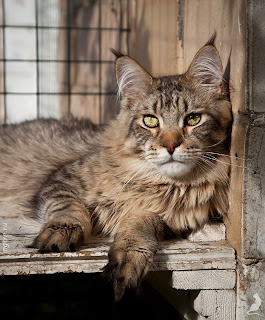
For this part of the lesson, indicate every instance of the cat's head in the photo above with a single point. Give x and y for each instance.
(178, 124)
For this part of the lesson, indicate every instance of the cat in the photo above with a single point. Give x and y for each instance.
(162, 164)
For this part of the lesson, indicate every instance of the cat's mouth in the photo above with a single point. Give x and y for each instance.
(173, 161)
(175, 167)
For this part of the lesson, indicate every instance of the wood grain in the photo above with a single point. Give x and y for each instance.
(17, 234)
(204, 279)
(215, 304)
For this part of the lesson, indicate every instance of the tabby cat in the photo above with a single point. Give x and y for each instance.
(161, 165)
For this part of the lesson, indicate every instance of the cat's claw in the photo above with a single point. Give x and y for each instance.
(58, 236)
(126, 269)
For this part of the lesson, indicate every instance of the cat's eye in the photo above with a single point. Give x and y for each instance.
(193, 119)
(151, 121)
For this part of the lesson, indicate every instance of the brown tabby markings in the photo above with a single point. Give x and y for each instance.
(131, 181)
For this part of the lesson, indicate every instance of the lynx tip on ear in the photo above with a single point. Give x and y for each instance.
(117, 53)
(211, 41)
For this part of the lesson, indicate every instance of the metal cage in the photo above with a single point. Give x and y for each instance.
(54, 57)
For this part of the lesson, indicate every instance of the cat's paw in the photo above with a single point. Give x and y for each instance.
(60, 234)
(127, 267)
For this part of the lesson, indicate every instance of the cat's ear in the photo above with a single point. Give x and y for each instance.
(133, 81)
(206, 69)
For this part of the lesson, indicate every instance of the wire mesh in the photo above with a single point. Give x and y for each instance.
(42, 72)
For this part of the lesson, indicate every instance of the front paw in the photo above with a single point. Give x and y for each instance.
(60, 234)
(127, 267)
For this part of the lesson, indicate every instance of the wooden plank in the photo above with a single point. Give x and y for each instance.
(204, 279)
(156, 36)
(213, 231)
(194, 254)
(215, 304)
(16, 258)
(85, 106)
(19, 225)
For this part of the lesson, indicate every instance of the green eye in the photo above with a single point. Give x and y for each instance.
(151, 121)
(193, 119)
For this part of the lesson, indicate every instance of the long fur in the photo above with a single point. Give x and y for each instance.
(78, 181)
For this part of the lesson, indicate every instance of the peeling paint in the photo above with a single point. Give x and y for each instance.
(255, 305)
(251, 272)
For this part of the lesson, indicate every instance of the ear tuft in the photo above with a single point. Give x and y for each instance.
(116, 53)
(206, 69)
(133, 81)
(211, 41)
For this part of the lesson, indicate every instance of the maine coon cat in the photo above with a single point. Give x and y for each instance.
(161, 164)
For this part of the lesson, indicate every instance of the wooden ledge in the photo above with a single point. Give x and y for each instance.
(181, 255)
(205, 250)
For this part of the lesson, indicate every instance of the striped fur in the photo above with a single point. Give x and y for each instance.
(125, 181)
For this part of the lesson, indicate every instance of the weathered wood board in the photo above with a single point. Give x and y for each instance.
(216, 305)
(200, 252)
(204, 279)
(181, 255)
(155, 37)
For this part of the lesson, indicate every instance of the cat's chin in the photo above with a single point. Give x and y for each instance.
(175, 169)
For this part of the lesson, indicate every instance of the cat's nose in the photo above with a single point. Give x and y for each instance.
(171, 146)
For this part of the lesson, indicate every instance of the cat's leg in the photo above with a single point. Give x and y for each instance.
(68, 223)
(132, 252)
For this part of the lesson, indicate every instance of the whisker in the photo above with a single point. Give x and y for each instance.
(212, 166)
(222, 140)
(225, 155)
(208, 163)
(202, 166)
(225, 163)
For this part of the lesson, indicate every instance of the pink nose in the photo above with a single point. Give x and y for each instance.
(171, 146)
